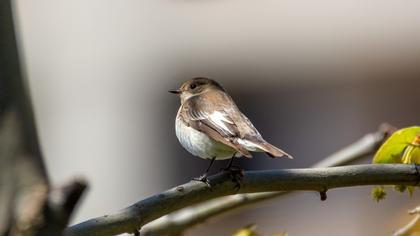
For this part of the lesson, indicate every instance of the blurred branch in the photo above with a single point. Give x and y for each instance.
(412, 227)
(177, 222)
(131, 219)
(364, 147)
(25, 208)
(60, 205)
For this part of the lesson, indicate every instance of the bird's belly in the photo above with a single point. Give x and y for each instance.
(201, 145)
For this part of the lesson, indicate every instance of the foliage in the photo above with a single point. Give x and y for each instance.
(378, 193)
(248, 230)
(402, 147)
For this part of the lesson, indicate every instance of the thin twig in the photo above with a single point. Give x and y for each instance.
(412, 227)
(132, 218)
(177, 222)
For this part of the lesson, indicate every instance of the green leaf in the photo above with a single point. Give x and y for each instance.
(401, 147)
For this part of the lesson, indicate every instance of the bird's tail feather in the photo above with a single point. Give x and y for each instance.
(273, 151)
(263, 146)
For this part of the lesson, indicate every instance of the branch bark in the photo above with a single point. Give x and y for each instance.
(179, 221)
(131, 219)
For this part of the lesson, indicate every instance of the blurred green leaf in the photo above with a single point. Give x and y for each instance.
(248, 230)
(400, 188)
(378, 193)
(402, 147)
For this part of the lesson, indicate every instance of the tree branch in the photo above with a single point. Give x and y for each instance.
(25, 206)
(177, 222)
(364, 147)
(132, 218)
(60, 205)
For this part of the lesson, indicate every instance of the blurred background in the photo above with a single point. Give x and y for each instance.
(312, 76)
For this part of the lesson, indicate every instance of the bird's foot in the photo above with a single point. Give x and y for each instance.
(203, 178)
(236, 174)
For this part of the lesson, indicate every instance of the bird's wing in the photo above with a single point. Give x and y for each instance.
(214, 120)
(221, 120)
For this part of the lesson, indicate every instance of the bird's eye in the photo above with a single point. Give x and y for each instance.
(193, 86)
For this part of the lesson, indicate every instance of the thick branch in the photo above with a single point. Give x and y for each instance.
(25, 208)
(179, 221)
(23, 179)
(320, 179)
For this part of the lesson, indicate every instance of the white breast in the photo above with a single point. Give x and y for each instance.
(199, 144)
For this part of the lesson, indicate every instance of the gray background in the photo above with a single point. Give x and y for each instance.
(312, 76)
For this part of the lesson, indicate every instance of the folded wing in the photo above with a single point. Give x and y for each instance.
(223, 122)
(213, 121)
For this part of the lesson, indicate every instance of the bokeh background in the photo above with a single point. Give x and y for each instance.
(313, 76)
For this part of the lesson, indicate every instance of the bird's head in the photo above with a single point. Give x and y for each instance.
(196, 86)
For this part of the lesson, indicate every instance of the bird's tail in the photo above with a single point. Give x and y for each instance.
(273, 151)
(262, 146)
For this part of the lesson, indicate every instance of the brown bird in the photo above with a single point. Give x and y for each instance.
(210, 125)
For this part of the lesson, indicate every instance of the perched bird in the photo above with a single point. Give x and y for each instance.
(210, 125)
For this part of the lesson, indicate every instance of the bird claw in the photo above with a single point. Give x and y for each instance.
(236, 174)
(204, 179)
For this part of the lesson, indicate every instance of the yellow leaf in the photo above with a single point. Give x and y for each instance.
(247, 231)
(401, 147)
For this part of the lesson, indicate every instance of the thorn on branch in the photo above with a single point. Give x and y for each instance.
(323, 195)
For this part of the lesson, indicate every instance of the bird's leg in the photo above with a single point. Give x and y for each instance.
(236, 173)
(229, 166)
(203, 178)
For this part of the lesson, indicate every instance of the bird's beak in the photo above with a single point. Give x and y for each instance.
(175, 91)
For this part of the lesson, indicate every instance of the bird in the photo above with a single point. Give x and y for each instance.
(209, 125)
